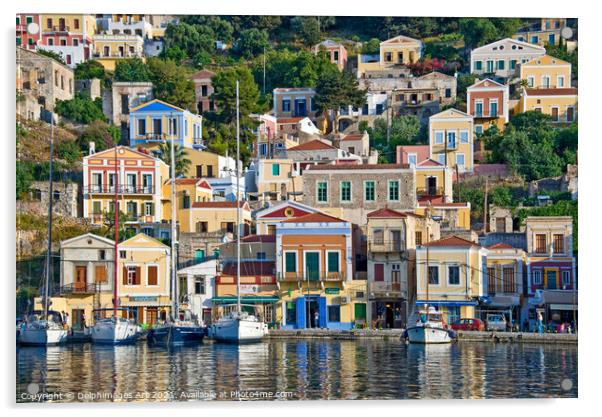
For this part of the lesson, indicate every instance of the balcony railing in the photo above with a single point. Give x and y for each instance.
(387, 288)
(60, 28)
(386, 246)
(122, 189)
(429, 191)
(75, 288)
(312, 277)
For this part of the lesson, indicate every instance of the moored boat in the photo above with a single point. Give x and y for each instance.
(238, 327)
(429, 328)
(115, 330)
(40, 330)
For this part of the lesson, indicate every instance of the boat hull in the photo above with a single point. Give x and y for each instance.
(428, 335)
(176, 335)
(42, 337)
(115, 333)
(238, 331)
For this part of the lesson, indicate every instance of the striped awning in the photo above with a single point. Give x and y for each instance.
(245, 300)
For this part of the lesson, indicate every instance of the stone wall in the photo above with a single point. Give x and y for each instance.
(66, 203)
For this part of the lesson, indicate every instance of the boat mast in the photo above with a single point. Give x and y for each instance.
(237, 201)
(174, 301)
(50, 198)
(428, 237)
(116, 256)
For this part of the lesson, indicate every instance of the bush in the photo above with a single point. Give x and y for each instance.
(81, 109)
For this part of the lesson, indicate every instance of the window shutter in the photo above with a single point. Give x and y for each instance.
(137, 277)
(152, 275)
(125, 276)
(100, 274)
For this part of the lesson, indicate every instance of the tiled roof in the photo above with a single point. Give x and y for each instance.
(294, 89)
(453, 241)
(315, 218)
(259, 239)
(551, 91)
(203, 74)
(385, 213)
(354, 136)
(250, 268)
(314, 145)
(429, 163)
(216, 204)
(326, 167)
(289, 120)
(501, 246)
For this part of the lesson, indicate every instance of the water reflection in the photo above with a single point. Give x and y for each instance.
(295, 369)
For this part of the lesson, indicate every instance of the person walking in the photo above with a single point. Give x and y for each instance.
(316, 319)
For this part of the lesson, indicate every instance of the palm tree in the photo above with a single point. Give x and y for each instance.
(181, 160)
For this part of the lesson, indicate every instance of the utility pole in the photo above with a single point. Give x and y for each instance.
(457, 182)
(485, 205)
(388, 120)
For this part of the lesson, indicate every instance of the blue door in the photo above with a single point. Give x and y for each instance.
(300, 304)
(322, 311)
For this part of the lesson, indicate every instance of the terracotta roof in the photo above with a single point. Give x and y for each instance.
(326, 167)
(289, 120)
(385, 213)
(315, 218)
(551, 91)
(216, 204)
(189, 181)
(429, 163)
(501, 246)
(250, 268)
(314, 145)
(452, 241)
(203, 74)
(259, 239)
(354, 136)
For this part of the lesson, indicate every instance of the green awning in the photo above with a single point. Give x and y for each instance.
(245, 300)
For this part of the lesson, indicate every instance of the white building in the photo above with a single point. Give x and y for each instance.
(197, 288)
(501, 57)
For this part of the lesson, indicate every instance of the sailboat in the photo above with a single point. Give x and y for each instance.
(429, 328)
(176, 331)
(238, 326)
(45, 327)
(115, 330)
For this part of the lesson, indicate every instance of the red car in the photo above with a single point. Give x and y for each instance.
(468, 324)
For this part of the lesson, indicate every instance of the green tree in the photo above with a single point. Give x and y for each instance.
(69, 151)
(81, 108)
(501, 196)
(181, 159)
(132, 70)
(171, 83)
(251, 43)
(480, 31)
(103, 135)
(372, 47)
(338, 89)
(307, 29)
(51, 54)
(175, 53)
(89, 69)
(24, 179)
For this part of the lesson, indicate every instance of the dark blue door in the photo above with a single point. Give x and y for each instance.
(322, 311)
(300, 304)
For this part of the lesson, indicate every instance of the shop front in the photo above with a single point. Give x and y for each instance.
(146, 309)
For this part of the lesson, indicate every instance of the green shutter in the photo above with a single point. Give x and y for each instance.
(276, 170)
(333, 262)
(291, 262)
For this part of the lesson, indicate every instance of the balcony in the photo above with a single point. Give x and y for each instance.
(386, 246)
(387, 289)
(315, 277)
(122, 189)
(76, 288)
(61, 28)
(429, 191)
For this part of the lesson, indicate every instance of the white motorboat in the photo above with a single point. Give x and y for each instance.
(38, 330)
(429, 328)
(115, 331)
(238, 327)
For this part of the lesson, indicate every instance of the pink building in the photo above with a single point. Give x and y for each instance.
(412, 154)
(24, 39)
(338, 53)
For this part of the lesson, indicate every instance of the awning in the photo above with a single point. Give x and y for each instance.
(245, 300)
(563, 307)
(504, 301)
(447, 303)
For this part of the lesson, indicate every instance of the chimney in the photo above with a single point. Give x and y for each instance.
(92, 148)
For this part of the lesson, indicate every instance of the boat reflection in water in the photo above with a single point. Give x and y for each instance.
(297, 369)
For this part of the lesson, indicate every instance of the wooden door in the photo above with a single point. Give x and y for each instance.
(379, 272)
(79, 284)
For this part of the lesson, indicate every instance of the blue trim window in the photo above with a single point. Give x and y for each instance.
(290, 260)
(334, 314)
(346, 191)
(478, 65)
(453, 275)
(322, 192)
(286, 105)
(369, 191)
(393, 190)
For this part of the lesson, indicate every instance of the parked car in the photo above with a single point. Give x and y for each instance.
(468, 324)
(496, 322)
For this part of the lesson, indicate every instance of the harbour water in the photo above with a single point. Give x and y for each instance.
(295, 370)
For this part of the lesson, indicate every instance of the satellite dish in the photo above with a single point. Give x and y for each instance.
(33, 28)
(566, 33)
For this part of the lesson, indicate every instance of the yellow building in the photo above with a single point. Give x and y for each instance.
(80, 24)
(214, 217)
(109, 49)
(144, 278)
(155, 122)
(188, 191)
(452, 216)
(559, 103)
(455, 271)
(451, 139)
(277, 179)
(395, 52)
(546, 72)
(433, 179)
(139, 179)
